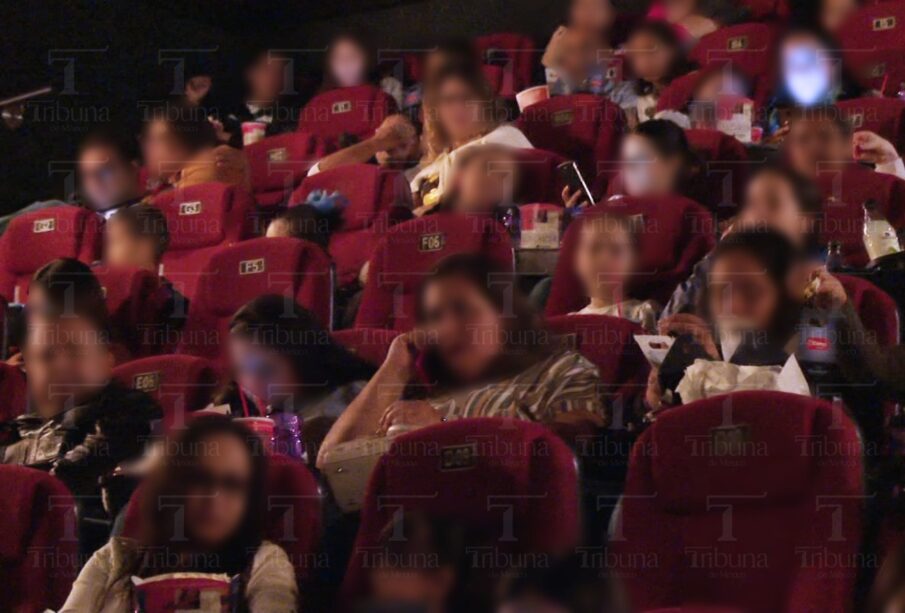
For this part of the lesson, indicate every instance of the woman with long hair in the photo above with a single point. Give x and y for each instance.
(202, 511)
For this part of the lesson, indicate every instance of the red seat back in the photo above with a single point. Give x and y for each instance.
(279, 163)
(724, 170)
(878, 311)
(513, 481)
(512, 57)
(371, 191)
(36, 238)
(287, 266)
(845, 190)
(538, 178)
(179, 383)
(676, 233)
(352, 111)
(200, 218)
(13, 392)
(877, 26)
(885, 116)
(678, 94)
(39, 550)
(370, 344)
(409, 251)
(882, 70)
(748, 47)
(762, 488)
(582, 127)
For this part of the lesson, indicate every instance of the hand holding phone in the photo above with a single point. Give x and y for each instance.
(576, 189)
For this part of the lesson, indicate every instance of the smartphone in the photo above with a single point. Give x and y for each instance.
(427, 367)
(571, 176)
(684, 351)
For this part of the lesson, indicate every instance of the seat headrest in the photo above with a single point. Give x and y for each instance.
(36, 238)
(197, 215)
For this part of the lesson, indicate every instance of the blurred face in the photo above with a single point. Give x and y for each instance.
(427, 590)
(604, 259)
(770, 201)
(648, 57)
(468, 330)
(348, 63)
(197, 88)
(742, 297)
(265, 375)
(677, 10)
(719, 84)
(124, 248)
(808, 71)
(595, 16)
(106, 179)
(577, 53)
(834, 13)
(217, 490)
(163, 153)
(814, 143)
(459, 111)
(644, 171)
(266, 79)
(485, 183)
(67, 362)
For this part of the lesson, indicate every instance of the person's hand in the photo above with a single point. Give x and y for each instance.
(685, 323)
(872, 148)
(222, 135)
(829, 293)
(574, 200)
(395, 131)
(400, 360)
(414, 413)
(653, 394)
(16, 360)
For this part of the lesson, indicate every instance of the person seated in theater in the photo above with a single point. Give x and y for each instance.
(349, 62)
(775, 197)
(460, 111)
(452, 53)
(485, 180)
(395, 145)
(283, 359)
(821, 140)
(424, 571)
(713, 84)
(202, 510)
(605, 261)
(181, 148)
(478, 351)
(655, 159)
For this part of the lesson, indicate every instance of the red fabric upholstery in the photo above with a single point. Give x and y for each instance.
(371, 191)
(882, 70)
(294, 519)
(279, 163)
(36, 238)
(353, 111)
(676, 234)
(885, 116)
(724, 172)
(13, 392)
(513, 481)
(409, 251)
(677, 95)
(877, 26)
(609, 343)
(583, 127)
(743, 500)
(39, 550)
(200, 218)
(239, 273)
(179, 383)
(845, 190)
(878, 311)
(370, 344)
(749, 47)
(513, 56)
(135, 301)
(538, 178)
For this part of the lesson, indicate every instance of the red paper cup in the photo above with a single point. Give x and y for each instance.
(262, 426)
(532, 95)
(252, 132)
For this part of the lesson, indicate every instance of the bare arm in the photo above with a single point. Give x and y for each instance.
(395, 130)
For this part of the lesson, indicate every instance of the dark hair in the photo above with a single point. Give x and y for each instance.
(667, 36)
(281, 325)
(808, 197)
(310, 224)
(146, 221)
(115, 139)
(825, 112)
(357, 39)
(71, 289)
(670, 141)
(188, 125)
(170, 483)
(461, 53)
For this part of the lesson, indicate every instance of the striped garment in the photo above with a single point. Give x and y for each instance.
(563, 383)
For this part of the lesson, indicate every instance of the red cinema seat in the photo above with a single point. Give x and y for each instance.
(538, 178)
(877, 26)
(239, 273)
(294, 519)
(878, 311)
(179, 383)
(370, 344)
(582, 127)
(724, 170)
(513, 56)
(885, 116)
(882, 70)
(346, 111)
(279, 164)
(677, 95)
(761, 489)
(372, 192)
(200, 219)
(513, 481)
(36, 238)
(608, 342)
(676, 233)
(845, 190)
(410, 250)
(749, 47)
(13, 392)
(39, 551)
